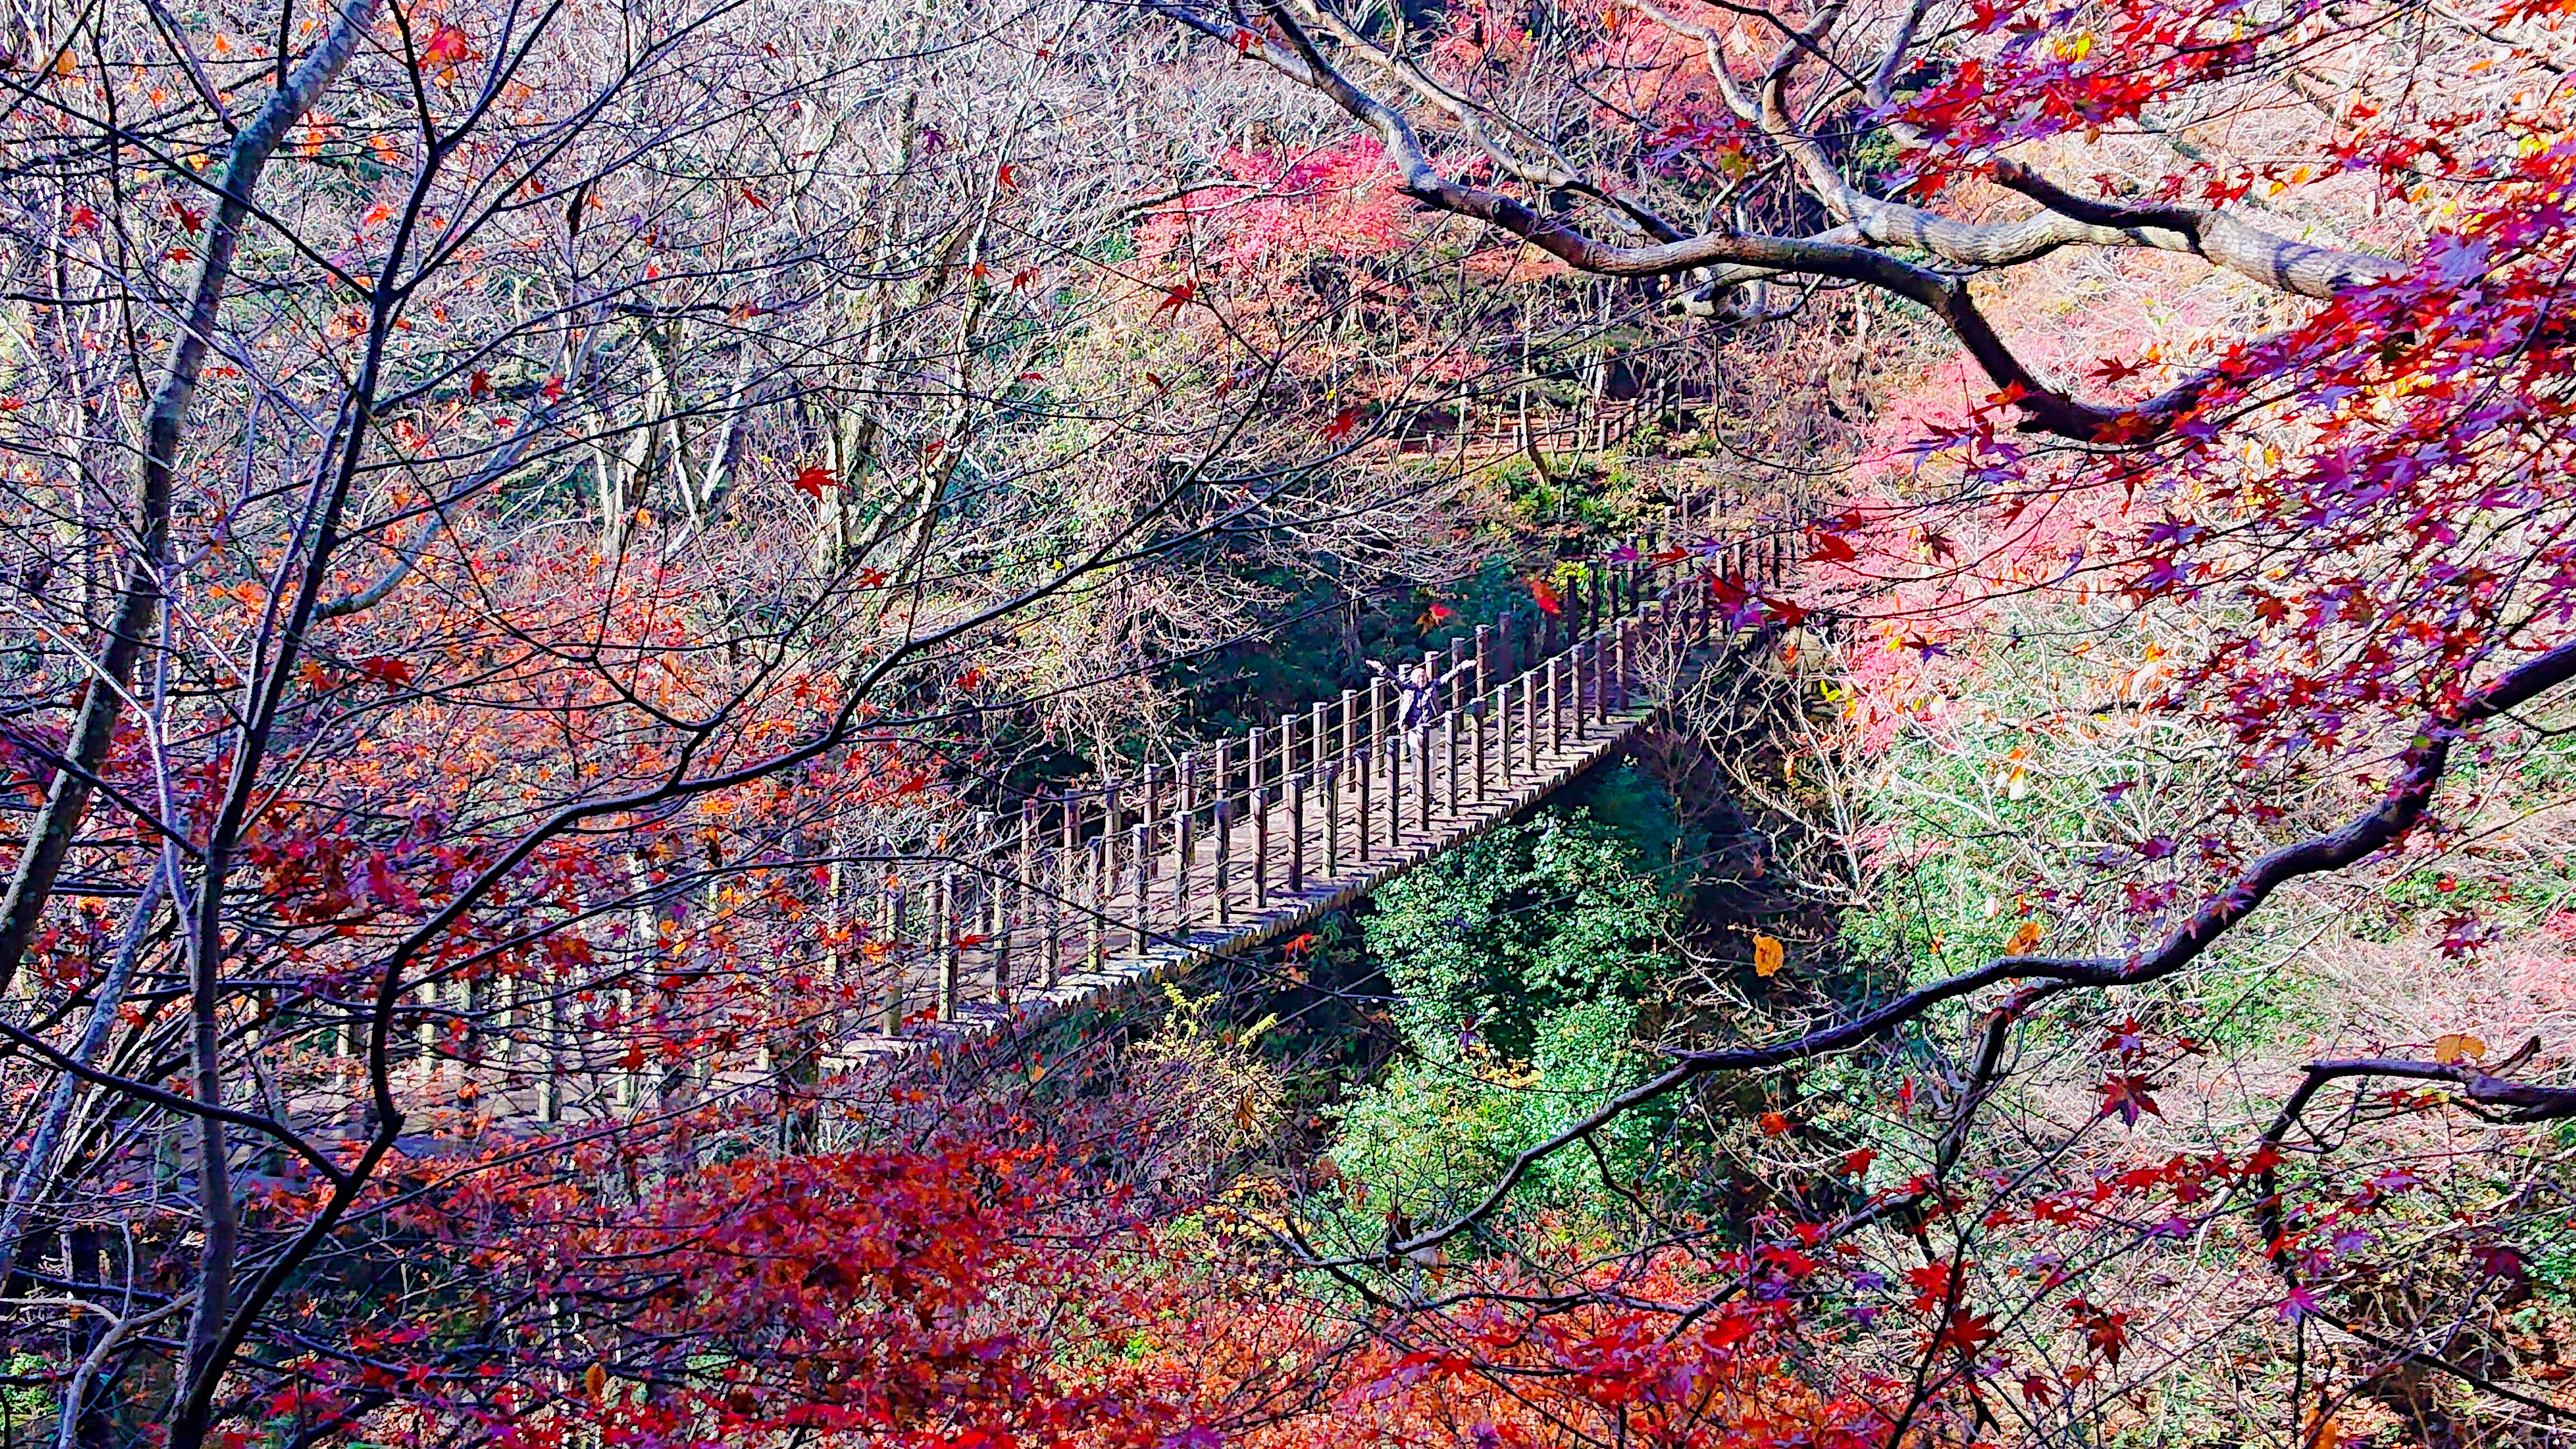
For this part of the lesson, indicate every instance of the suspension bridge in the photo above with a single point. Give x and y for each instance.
(1248, 840)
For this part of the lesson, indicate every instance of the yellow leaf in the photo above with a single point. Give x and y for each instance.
(1767, 956)
(2023, 938)
(2453, 1046)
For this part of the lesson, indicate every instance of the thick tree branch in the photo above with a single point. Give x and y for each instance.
(49, 836)
(2421, 768)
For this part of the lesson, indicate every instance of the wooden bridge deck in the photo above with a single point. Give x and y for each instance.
(1226, 852)
(995, 923)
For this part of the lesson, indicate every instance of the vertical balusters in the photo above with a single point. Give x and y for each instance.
(1393, 748)
(1449, 752)
(1183, 848)
(1113, 821)
(1529, 722)
(1555, 668)
(1222, 785)
(1368, 752)
(1221, 830)
(943, 938)
(1296, 835)
(1260, 807)
(550, 1061)
(1333, 820)
(890, 908)
(1097, 888)
(1009, 894)
(1140, 844)
(1066, 882)
(1482, 721)
(1189, 786)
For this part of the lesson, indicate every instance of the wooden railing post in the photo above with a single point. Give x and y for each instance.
(1183, 850)
(1332, 779)
(1003, 872)
(1479, 695)
(1360, 802)
(1394, 752)
(1068, 888)
(1222, 832)
(1297, 835)
(1222, 786)
(1449, 754)
(1555, 668)
(890, 913)
(943, 915)
(1260, 807)
(1113, 822)
(1097, 889)
(1140, 843)
(1528, 723)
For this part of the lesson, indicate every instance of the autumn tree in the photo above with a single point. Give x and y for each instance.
(505, 507)
(2299, 447)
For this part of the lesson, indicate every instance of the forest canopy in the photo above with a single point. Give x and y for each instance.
(1666, 722)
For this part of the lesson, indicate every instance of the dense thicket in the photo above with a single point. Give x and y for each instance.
(528, 524)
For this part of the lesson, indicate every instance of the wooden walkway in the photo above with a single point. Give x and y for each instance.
(996, 923)
(1245, 842)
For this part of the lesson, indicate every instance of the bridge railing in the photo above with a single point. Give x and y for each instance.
(1189, 855)
(1213, 838)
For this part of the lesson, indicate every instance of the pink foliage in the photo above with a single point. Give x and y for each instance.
(1335, 202)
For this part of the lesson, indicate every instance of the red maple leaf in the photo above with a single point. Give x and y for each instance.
(1832, 548)
(812, 480)
(1967, 1332)
(1175, 298)
(2129, 1095)
(1342, 424)
(446, 46)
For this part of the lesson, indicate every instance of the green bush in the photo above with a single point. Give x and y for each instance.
(1522, 964)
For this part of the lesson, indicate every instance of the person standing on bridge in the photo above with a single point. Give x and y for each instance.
(1418, 697)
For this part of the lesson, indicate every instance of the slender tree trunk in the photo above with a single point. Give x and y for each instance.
(49, 836)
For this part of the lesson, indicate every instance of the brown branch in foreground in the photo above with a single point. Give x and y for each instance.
(1851, 250)
(2522, 1101)
(58, 820)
